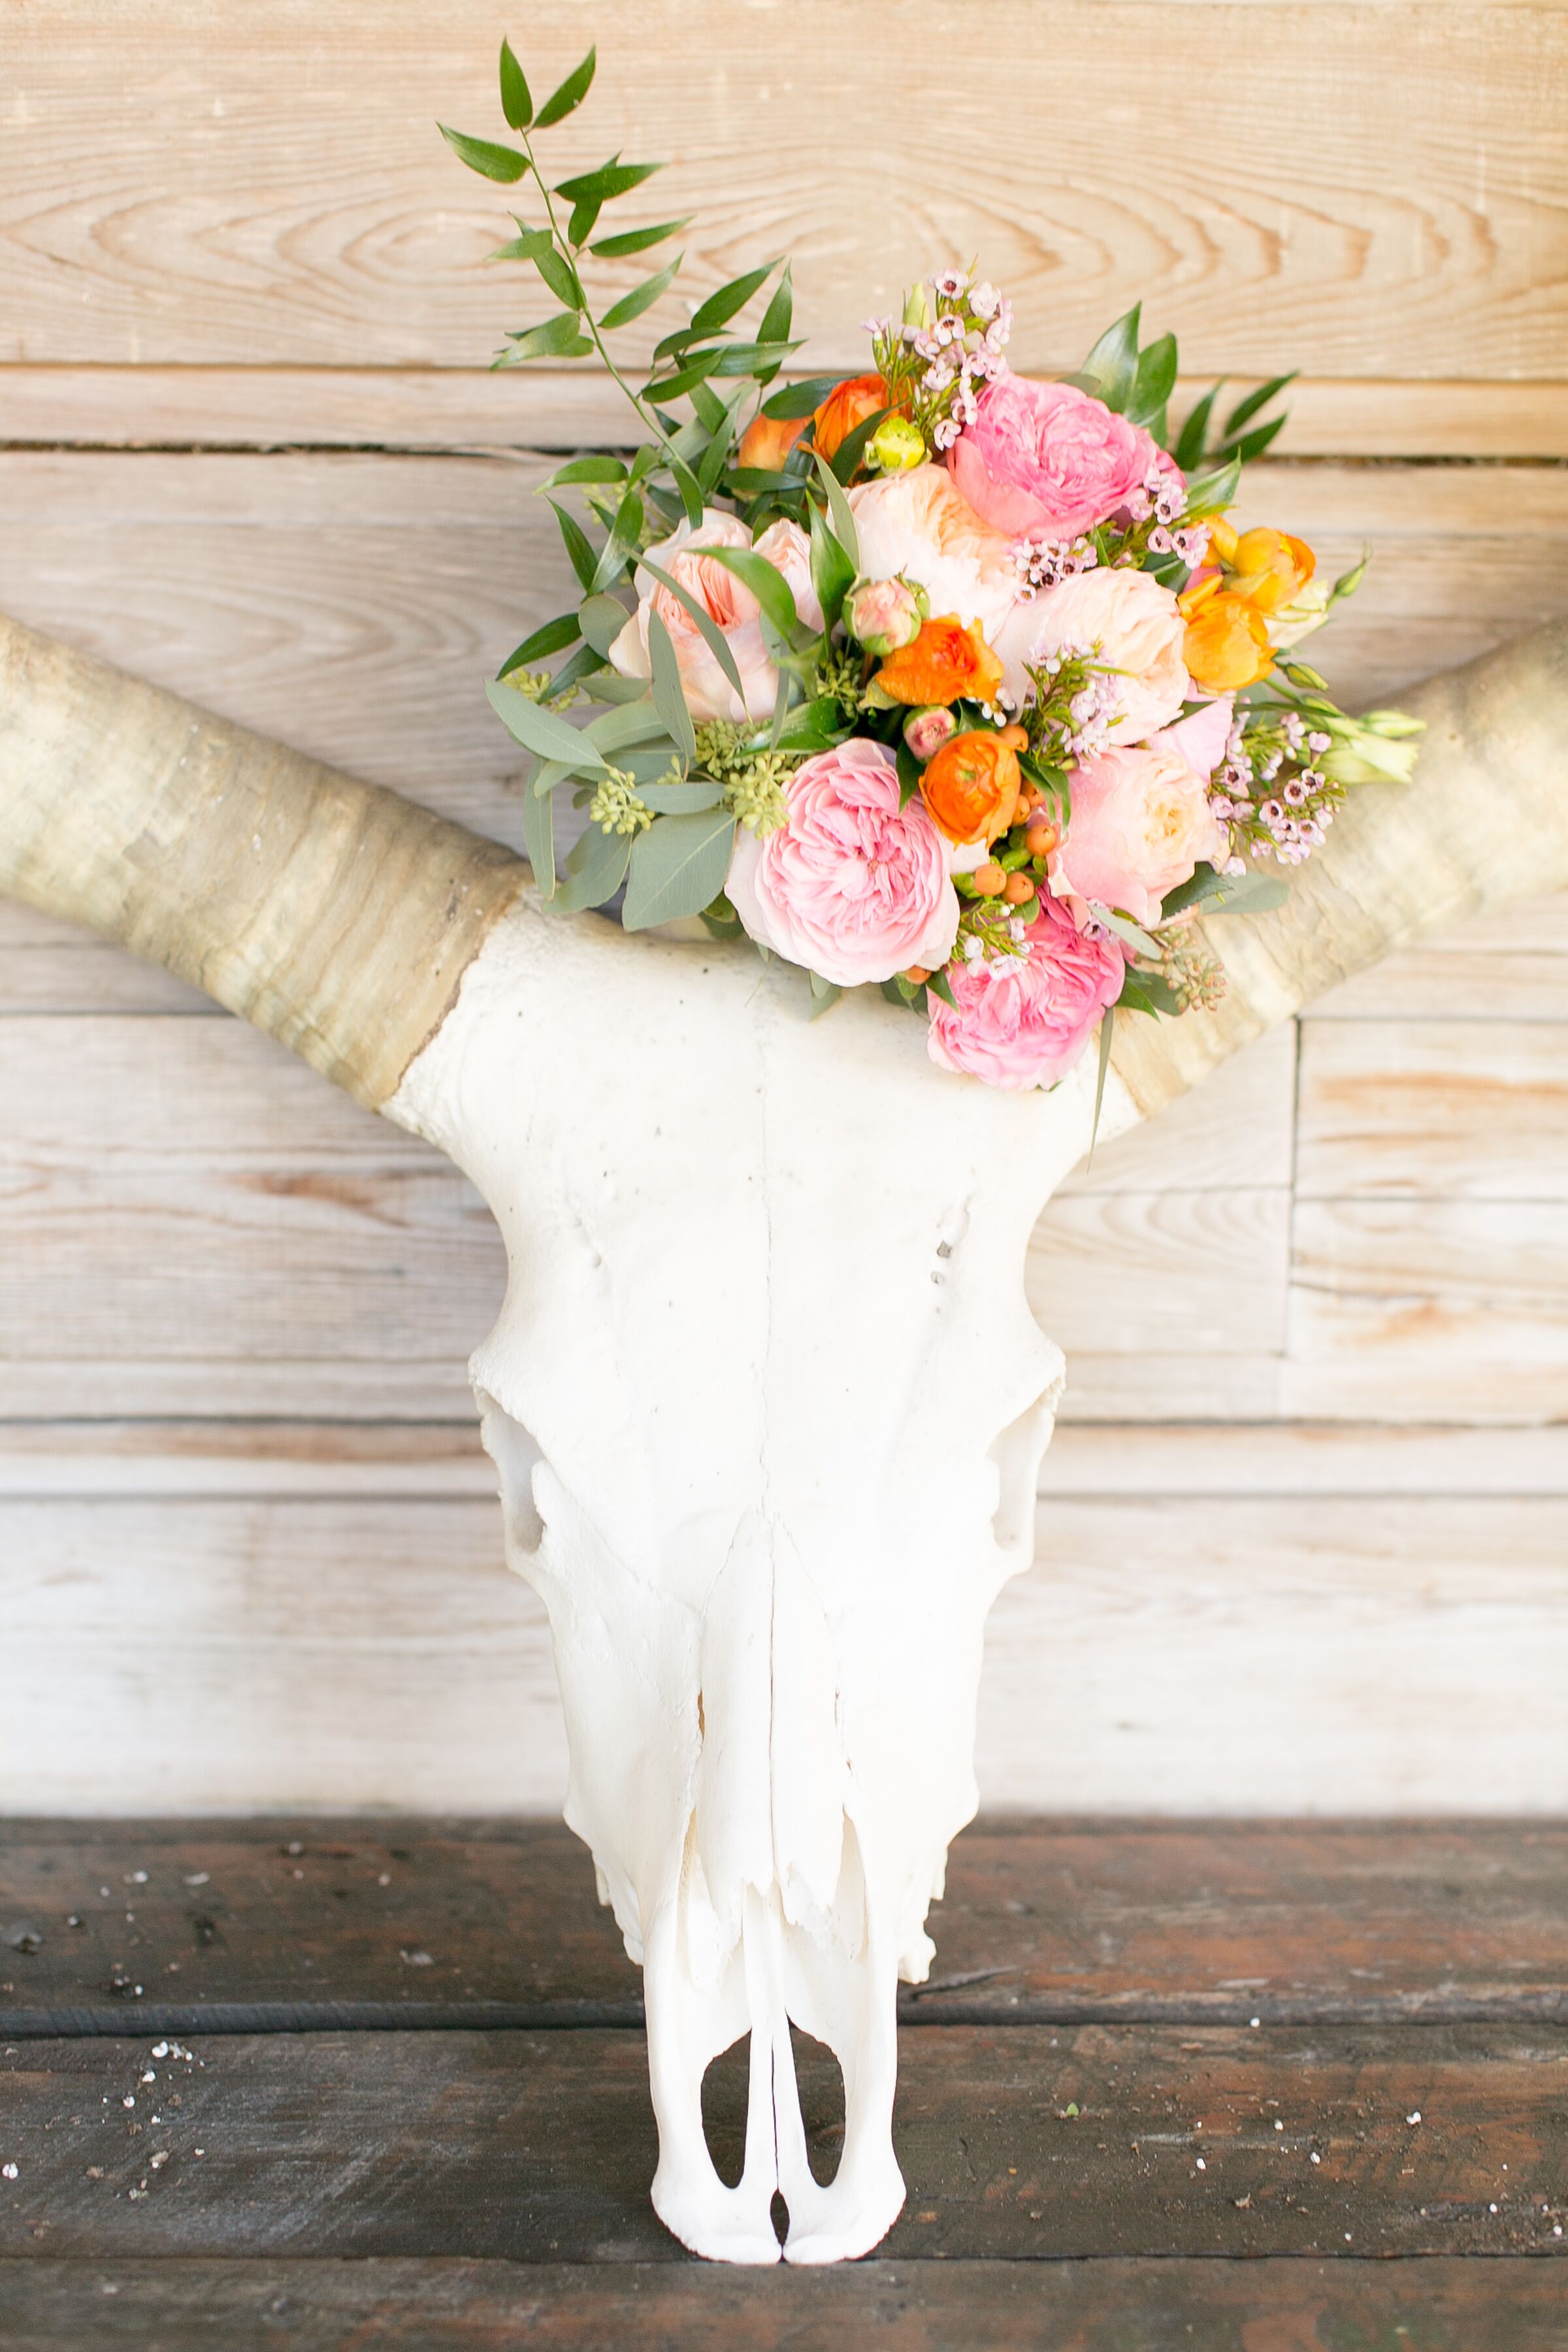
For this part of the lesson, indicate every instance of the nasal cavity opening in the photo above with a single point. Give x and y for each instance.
(516, 1452)
(820, 2082)
(1016, 1456)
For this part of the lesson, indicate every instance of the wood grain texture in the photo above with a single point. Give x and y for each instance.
(445, 408)
(1048, 1922)
(449, 2304)
(293, 199)
(1207, 1653)
(1459, 1109)
(376, 2144)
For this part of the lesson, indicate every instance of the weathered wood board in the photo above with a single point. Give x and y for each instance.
(1304, 1534)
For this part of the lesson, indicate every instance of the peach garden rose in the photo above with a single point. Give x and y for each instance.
(1136, 629)
(727, 603)
(916, 524)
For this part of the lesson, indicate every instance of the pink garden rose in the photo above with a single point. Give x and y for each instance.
(1202, 739)
(1047, 461)
(724, 599)
(915, 523)
(1139, 825)
(1137, 627)
(1023, 1021)
(852, 887)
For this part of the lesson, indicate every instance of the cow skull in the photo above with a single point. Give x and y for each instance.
(765, 1398)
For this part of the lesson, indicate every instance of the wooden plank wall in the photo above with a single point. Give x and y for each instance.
(1303, 1534)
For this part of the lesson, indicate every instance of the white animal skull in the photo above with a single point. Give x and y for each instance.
(768, 1406)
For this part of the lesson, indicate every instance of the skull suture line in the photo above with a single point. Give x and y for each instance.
(768, 1406)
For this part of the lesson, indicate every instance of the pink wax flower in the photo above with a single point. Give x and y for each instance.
(851, 886)
(1139, 825)
(1023, 1021)
(1047, 461)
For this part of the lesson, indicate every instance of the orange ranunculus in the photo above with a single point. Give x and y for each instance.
(971, 787)
(767, 442)
(945, 661)
(1268, 568)
(1226, 643)
(849, 404)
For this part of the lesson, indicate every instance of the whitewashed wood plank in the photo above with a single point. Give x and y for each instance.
(47, 966)
(339, 1461)
(1472, 1109)
(1163, 1657)
(1340, 1657)
(1509, 965)
(388, 1388)
(1235, 1129)
(1146, 1386)
(447, 408)
(1127, 1273)
(1428, 1309)
(200, 201)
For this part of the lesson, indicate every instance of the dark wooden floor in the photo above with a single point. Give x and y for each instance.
(1235, 2087)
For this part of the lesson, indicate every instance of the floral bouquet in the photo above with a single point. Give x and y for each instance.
(941, 679)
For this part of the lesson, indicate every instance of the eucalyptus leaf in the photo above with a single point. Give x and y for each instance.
(539, 841)
(679, 866)
(683, 799)
(571, 94)
(669, 694)
(641, 298)
(1107, 1030)
(544, 732)
(482, 155)
(633, 722)
(595, 870)
(824, 993)
(1247, 894)
(515, 102)
(602, 618)
(1132, 934)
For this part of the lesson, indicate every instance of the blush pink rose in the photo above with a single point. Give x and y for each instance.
(726, 603)
(1047, 461)
(1023, 1021)
(852, 885)
(1135, 624)
(1140, 823)
(1201, 741)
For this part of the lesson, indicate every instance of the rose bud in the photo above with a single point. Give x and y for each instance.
(896, 445)
(882, 615)
(1269, 568)
(925, 732)
(971, 786)
(846, 405)
(767, 442)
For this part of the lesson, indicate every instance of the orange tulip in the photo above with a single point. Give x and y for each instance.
(767, 442)
(945, 661)
(972, 787)
(846, 405)
(1226, 644)
(1269, 568)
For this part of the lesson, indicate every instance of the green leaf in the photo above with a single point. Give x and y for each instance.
(602, 186)
(831, 570)
(1247, 894)
(595, 871)
(752, 359)
(571, 94)
(704, 624)
(1211, 493)
(603, 619)
(812, 727)
(1122, 927)
(637, 240)
(687, 483)
(764, 580)
(526, 245)
(721, 305)
(824, 993)
(1113, 366)
(1253, 445)
(515, 102)
(538, 840)
(1189, 442)
(684, 799)
(585, 562)
(544, 732)
(557, 337)
(838, 507)
(484, 156)
(620, 547)
(909, 773)
(553, 638)
(669, 694)
(847, 457)
(1148, 991)
(1155, 379)
(585, 470)
(641, 298)
(1348, 582)
(1107, 1025)
(940, 985)
(696, 370)
(776, 318)
(560, 277)
(679, 866)
(1246, 410)
(631, 725)
(798, 400)
(584, 217)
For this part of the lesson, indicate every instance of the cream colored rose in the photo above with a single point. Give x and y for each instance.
(917, 524)
(728, 605)
(1138, 628)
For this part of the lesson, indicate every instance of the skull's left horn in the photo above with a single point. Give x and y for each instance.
(335, 915)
